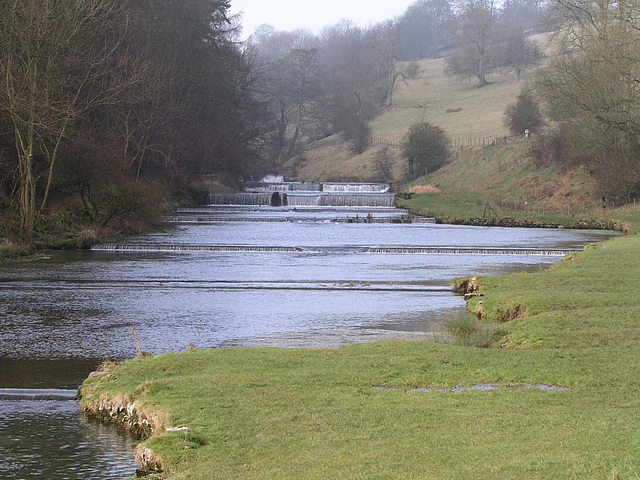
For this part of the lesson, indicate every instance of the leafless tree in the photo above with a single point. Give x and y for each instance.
(57, 60)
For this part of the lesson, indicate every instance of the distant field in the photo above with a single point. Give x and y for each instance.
(479, 113)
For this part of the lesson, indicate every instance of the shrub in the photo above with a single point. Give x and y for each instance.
(466, 331)
(523, 114)
(426, 147)
(383, 164)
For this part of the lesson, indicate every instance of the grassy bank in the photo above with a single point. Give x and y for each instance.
(280, 413)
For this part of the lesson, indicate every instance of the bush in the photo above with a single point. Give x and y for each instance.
(383, 164)
(523, 115)
(412, 70)
(426, 147)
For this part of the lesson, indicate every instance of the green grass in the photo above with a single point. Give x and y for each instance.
(432, 93)
(427, 97)
(287, 413)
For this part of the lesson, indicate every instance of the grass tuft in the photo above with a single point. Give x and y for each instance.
(466, 331)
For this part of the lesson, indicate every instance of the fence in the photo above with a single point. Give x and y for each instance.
(460, 143)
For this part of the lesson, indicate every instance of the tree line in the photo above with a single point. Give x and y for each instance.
(107, 107)
(587, 97)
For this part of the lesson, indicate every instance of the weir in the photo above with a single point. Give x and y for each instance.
(240, 199)
(37, 394)
(282, 187)
(131, 247)
(315, 194)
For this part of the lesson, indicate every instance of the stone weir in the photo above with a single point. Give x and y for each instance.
(341, 187)
(304, 199)
(37, 394)
(316, 194)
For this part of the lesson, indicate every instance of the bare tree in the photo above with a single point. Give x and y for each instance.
(514, 50)
(477, 19)
(385, 40)
(57, 60)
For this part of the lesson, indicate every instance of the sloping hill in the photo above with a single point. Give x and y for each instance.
(464, 111)
(503, 175)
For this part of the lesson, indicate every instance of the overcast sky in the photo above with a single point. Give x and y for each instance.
(314, 14)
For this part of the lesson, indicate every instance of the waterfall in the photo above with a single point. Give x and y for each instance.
(307, 194)
(331, 187)
(266, 199)
(281, 187)
(273, 179)
(303, 200)
(356, 187)
(240, 199)
(358, 200)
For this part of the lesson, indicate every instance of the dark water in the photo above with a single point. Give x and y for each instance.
(62, 315)
(54, 440)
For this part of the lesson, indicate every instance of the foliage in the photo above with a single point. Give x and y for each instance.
(592, 89)
(426, 147)
(383, 164)
(523, 115)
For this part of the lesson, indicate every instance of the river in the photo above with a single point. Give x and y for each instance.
(227, 276)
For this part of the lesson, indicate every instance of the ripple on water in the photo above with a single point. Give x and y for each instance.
(76, 447)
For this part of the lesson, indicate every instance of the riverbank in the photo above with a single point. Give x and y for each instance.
(291, 413)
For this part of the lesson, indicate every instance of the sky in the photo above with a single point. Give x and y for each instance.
(286, 15)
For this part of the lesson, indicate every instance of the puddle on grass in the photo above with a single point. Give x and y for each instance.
(481, 387)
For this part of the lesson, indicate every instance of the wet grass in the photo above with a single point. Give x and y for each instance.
(288, 413)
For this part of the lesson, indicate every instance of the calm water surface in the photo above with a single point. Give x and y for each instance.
(61, 316)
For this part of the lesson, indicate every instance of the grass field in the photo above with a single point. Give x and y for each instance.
(479, 114)
(286, 413)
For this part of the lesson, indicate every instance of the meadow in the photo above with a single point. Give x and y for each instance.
(562, 401)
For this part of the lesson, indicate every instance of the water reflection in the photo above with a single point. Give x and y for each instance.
(61, 316)
(70, 445)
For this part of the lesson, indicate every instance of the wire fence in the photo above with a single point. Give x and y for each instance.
(460, 143)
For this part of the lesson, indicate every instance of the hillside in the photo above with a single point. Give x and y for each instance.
(473, 117)
(474, 113)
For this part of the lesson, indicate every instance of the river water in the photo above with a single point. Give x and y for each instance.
(227, 276)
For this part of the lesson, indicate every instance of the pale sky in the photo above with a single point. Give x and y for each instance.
(286, 15)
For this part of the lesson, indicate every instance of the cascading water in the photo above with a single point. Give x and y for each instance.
(356, 187)
(304, 194)
(358, 200)
(282, 187)
(240, 199)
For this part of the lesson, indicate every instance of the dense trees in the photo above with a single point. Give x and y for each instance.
(426, 30)
(116, 96)
(58, 61)
(592, 93)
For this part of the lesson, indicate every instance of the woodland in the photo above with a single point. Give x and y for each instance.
(112, 111)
